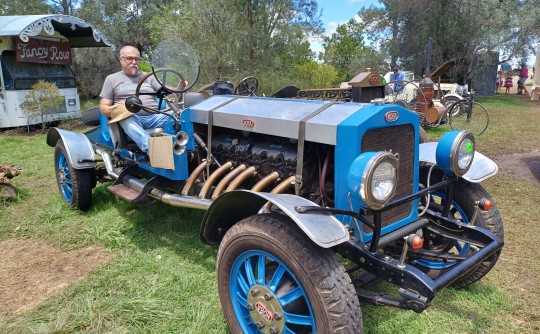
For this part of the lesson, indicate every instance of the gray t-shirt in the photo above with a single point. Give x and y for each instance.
(119, 86)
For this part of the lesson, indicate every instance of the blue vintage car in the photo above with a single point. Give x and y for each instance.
(311, 202)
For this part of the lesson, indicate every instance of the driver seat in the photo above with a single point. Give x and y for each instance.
(114, 133)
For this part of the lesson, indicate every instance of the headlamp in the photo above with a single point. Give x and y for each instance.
(372, 178)
(455, 152)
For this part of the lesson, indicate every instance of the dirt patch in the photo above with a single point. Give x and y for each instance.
(520, 165)
(32, 271)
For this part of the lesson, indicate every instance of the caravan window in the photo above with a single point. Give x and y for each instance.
(22, 75)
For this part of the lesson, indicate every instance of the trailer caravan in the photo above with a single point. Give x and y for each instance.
(39, 47)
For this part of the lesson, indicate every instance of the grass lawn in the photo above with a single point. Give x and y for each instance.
(161, 277)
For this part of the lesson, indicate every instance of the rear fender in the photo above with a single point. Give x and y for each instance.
(79, 149)
(324, 230)
(482, 167)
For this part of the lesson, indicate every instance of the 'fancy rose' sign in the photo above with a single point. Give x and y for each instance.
(42, 51)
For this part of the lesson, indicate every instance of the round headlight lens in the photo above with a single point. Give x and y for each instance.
(379, 180)
(383, 182)
(465, 154)
(462, 153)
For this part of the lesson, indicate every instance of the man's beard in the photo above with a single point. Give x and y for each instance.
(133, 70)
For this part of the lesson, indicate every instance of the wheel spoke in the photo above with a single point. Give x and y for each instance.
(287, 330)
(278, 275)
(291, 296)
(261, 270)
(297, 319)
(242, 284)
(242, 299)
(249, 272)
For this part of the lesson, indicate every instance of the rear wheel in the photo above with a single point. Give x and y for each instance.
(75, 185)
(273, 279)
(462, 208)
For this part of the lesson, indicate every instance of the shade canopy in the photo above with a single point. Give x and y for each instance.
(78, 32)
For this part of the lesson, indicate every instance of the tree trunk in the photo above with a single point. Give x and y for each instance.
(251, 36)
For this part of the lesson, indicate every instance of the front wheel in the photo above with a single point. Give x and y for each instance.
(273, 279)
(462, 208)
(75, 185)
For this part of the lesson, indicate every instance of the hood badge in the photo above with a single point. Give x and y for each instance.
(391, 116)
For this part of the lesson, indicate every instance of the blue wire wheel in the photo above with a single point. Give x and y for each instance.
(63, 175)
(273, 279)
(266, 294)
(75, 185)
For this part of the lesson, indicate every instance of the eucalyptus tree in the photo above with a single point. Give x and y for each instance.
(24, 7)
(236, 38)
(460, 29)
(344, 45)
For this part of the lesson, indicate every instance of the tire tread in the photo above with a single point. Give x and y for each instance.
(331, 281)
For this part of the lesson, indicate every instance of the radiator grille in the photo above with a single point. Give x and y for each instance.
(400, 139)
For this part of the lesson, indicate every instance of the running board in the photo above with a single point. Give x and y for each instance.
(122, 187)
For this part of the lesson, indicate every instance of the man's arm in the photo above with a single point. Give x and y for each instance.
(105, 106)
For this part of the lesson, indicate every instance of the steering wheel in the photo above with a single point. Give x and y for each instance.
(171, 81)
(247, 86)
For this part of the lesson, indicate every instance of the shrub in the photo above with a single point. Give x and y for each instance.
(42, 100)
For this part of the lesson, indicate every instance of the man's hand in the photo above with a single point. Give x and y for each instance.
(118, 109)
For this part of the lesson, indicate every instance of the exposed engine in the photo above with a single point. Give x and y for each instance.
(270, 154)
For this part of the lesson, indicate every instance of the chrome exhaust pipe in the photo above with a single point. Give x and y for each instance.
(193, 177)
(180, 200)
(213, 177)
(237, 182)
(266, 181)
(228, 178)
(284, 185)
(107, 160)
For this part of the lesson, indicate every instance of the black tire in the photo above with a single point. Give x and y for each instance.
(90, 116)
(466, 194)
(303, 266)
(75, 185)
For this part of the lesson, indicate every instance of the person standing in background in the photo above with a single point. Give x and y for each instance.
(524, 75)
(508, 82)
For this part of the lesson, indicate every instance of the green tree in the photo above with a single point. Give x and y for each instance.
(43, 99)
(66, 7)
(237, 38)
(346, 44)
(311, 74)
(26, 7)
(460, 29)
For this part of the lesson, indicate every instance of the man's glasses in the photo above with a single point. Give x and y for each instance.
(130, 59)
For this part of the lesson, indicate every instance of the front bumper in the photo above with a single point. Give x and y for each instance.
(417, 289)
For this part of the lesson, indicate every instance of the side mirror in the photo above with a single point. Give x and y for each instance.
(133, 104)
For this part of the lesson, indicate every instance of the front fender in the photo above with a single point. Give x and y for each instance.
(481, 169)
(79, 148)
(228, 209)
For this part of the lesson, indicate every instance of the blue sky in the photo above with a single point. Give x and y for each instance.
(336, 12)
